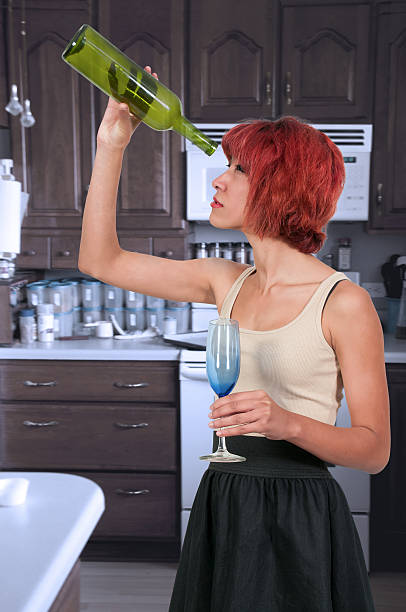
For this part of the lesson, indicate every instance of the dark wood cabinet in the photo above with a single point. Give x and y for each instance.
(230, 60)
(117, 425)
(266, 58)
(388, 183)
(151, 192)
(326, 60)
(58, 148)
(4, 85)
(388, 488)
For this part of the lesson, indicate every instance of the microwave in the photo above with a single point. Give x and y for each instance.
(353, 140)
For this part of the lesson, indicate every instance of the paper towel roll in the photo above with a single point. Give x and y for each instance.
(10, 224)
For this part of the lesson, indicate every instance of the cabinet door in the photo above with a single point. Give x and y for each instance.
(325, 72)
(388, 490)
(388, 185)
(151, 33)
(4, 88)
(230, 58)
(55, 169)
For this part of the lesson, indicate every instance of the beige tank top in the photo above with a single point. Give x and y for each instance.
(294, 364)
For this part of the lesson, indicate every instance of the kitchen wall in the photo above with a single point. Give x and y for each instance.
(369, 251)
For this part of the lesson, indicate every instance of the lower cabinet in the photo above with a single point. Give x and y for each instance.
(388, 491)
(123, 436)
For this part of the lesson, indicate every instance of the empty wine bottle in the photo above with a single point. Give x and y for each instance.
(118, 76)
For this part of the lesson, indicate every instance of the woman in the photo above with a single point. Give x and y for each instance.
(273, 533)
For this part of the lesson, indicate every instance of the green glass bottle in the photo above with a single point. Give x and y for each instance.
(118, 76)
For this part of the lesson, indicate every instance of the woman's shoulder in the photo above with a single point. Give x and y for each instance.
(349, 304)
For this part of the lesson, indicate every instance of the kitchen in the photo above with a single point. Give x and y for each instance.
(332, 63)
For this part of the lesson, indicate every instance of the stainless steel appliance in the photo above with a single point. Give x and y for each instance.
(353, 140)
(196, 396)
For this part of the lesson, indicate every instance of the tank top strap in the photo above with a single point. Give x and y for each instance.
(230, 298)
(323, 292)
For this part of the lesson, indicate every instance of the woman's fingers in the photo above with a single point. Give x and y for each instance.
(149, 69)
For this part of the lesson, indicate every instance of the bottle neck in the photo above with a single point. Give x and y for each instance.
(185, 128)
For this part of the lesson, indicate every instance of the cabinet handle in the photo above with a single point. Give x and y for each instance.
(288, 89)
(33, 424)
(379, 198)
(131, 425)
(30, 383)
(120, 385)
(30, 253)
(65, 253)
(127, 492)
(268, 89)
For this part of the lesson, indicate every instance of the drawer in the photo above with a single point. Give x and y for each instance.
(89, 381)
(102, 437)
(65, 252)
(137, 505)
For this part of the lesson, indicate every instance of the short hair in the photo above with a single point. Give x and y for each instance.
(296, 176)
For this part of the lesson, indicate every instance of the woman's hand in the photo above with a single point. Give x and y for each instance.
(253, 412)
(118, 123)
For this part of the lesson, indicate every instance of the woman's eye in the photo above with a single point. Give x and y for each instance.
(238, 167)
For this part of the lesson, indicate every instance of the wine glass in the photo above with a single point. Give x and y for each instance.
(223, 369)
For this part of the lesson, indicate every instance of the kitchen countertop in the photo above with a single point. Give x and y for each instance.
(42, 538)
(108, 349)
(154, 349)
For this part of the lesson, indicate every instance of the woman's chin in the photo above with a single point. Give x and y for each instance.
(221, 222)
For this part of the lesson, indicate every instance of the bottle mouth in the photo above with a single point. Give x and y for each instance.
(75, 45)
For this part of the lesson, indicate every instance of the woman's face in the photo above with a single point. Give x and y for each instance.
(231, 192)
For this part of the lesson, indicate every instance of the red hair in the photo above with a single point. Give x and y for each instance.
(296, 176)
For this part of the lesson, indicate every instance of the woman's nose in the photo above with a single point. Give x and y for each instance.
(218, 182)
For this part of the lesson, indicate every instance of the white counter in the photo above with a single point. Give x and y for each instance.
(154, 349)
(108, 349)
(42, 539)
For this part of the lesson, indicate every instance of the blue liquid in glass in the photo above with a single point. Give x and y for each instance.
(223, 381)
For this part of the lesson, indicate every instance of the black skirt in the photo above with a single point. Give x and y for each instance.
(271, 534)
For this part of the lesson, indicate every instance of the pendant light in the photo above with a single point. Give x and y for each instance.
(14, 106)
(27, 119)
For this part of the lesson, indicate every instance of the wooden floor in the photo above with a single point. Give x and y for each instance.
(147, 587)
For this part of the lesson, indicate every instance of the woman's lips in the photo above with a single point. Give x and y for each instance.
(216, 204)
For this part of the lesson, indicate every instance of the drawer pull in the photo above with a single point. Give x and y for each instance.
(127, 492)
(131, 425)
(33, 424)
(120, 385)
(30, 383)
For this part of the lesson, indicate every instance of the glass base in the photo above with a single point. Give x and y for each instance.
(223, 457)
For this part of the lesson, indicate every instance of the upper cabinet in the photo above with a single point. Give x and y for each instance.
(230, 60)
(388, 185)
(325, 60)
(266, 58)
(4, 89)
(53, 158)
(151, 189)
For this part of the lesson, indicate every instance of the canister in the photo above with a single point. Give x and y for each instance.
(63, 324)
(92, 293)
(60, 295)
(113, 296)
(134, 299)
(134, 319)
(36, 293)
(45, 322)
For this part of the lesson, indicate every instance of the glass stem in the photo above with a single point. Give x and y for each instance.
(222, 445)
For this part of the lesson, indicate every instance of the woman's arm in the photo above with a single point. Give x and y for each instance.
(100, 253)
(358, 343)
